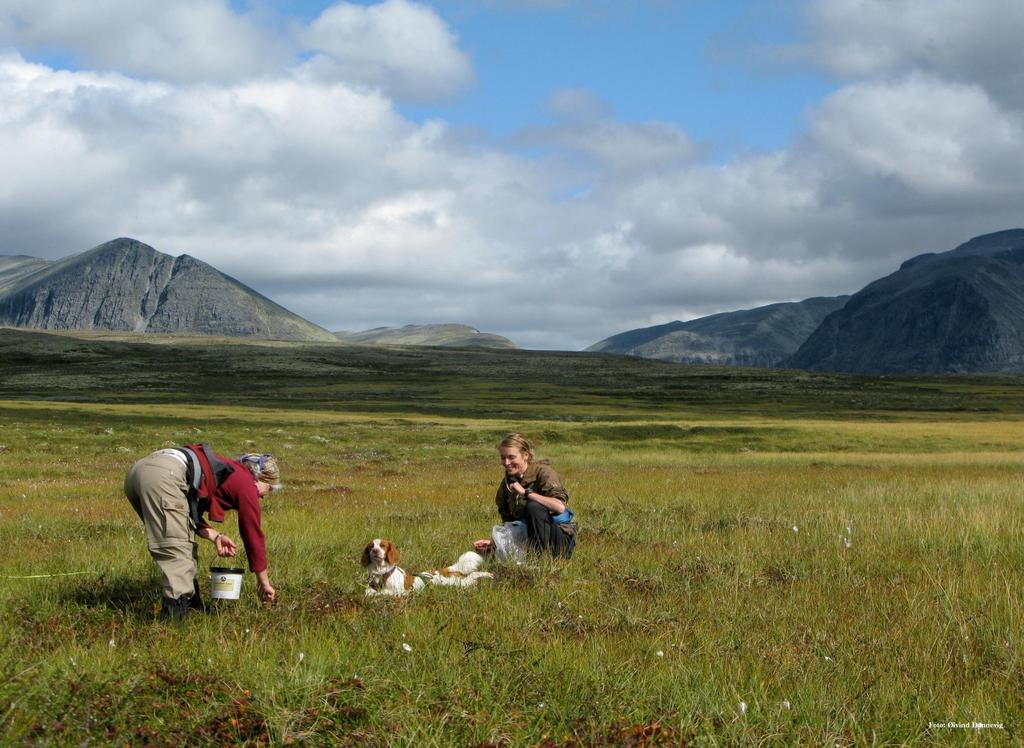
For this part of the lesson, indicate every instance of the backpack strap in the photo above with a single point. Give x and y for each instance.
(194, 477)
(221, 470)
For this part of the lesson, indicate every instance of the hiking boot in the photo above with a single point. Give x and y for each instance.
(176, 610)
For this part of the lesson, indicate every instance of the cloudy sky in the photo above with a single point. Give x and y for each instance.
(551, 170)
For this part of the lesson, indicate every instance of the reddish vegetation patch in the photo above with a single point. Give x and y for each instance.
(641, 736)
(239, 723)
(653, 734)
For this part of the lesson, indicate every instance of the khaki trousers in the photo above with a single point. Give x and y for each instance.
(156, 487)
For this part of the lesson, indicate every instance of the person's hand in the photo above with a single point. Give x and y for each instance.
(266, 592)
(483, 546)
(517, 487)
(225, 546)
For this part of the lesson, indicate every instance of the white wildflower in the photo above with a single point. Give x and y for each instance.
(796, 529)
(302, 656)
(111, 644)
(785, 704)
(406, 647)
(743, 707)
(659, 653)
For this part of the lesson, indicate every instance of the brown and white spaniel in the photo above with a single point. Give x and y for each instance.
(380, 557)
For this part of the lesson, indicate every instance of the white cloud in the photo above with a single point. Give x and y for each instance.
(938, 143)
(975, 41)
(402, 47)
(184, 40)
(886, 170)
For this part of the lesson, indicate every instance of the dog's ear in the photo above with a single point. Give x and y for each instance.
(392, 554)
(366, 554)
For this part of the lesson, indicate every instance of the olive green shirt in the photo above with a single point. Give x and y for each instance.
(540, 478)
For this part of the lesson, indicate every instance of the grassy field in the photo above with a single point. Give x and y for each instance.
(768, 558)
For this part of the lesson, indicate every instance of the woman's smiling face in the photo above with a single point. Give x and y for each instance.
(513, 460)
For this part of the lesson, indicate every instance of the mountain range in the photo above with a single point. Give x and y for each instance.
(939, 313)
(947, 312)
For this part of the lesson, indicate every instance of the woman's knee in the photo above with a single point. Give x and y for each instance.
(538, 512)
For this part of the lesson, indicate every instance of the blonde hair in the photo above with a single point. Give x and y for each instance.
(520, 442)
(263, 466)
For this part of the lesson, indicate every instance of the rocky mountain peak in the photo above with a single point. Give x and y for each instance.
(955, 311)
(127, 285)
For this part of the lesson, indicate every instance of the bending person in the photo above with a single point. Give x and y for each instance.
(532, 492)
(172, 489)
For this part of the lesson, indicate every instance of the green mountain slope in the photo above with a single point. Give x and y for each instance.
(760, 337)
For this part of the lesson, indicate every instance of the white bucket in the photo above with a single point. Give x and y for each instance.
(225, 582)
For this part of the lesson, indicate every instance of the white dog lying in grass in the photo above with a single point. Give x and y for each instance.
(380, 557)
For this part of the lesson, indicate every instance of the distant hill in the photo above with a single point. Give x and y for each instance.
(760, 337)
(955, 311)
(127, 285)
(450, 336)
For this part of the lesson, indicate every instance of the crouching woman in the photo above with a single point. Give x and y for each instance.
(532, 492)
(172, 489)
